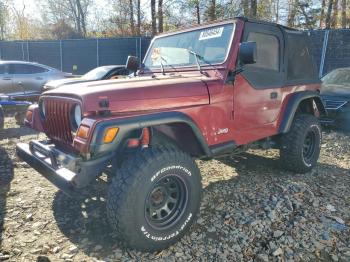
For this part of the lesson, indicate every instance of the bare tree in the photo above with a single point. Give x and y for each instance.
(160, 16)
(292, 12)
(253, 8)
(323, 6)
(73, 12)
(277, 10)
(343, 13)
(153, 17)
(329, 13)
(131, 11)
(334, 20)
(245, 5)
(212, 10)
(3, 19)
(198, 14)
(138, 17)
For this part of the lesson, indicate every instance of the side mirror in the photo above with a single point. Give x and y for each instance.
(132, 63)
(247, 53)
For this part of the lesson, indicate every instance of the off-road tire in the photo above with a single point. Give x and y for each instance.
(296, 152)
(132, 190)
(2, 118)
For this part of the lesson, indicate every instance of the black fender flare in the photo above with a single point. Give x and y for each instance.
(128, 124)
(293, 104)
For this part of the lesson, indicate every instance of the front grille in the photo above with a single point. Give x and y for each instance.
(57, 119)
(334, 104)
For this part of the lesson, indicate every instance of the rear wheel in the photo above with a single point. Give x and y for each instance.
(154, 198)
(300, 147)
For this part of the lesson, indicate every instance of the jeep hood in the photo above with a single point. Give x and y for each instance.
(139, 93)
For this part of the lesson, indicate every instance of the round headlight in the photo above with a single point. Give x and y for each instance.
(77, 116)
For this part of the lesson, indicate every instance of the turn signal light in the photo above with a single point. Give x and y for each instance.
(29, 116)
(110, 134)
(83, 132)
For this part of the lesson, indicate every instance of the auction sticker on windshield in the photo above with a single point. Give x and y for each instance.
(211, 33)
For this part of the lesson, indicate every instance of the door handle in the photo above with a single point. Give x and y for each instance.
(273, 95)
(7, 78)
(39, 78)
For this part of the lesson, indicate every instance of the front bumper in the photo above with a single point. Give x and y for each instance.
(68, 172)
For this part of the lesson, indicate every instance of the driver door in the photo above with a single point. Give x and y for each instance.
(258, 90)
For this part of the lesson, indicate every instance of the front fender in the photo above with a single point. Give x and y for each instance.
(129, 124)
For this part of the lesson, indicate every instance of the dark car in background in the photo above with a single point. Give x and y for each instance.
(336, 95)
(99, 73)
(25, 80)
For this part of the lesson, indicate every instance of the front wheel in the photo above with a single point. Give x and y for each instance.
(300, 147)
(154, 198)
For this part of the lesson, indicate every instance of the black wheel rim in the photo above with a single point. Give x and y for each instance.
(309, 146)
(166, 202)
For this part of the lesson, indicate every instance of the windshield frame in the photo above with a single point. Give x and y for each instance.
(158, 68)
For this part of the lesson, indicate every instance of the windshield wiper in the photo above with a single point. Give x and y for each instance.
(198, 57)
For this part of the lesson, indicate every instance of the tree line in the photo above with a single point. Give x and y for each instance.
(110, 18)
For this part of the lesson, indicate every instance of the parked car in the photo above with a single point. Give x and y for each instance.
(336, 95)
(203, 93)
(25, 80)
(99, 73)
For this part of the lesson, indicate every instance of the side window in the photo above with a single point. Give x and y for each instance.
(267, 71)
(26, 69)
(267, 50)
(2, 69)
(300, 64)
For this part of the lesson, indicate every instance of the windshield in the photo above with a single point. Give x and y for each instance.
(96, 74)
(212, 44)
(337, 77)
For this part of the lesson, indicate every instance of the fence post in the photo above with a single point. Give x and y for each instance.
(97, 53)
(22, 51)
(323, 54)
(61, 55)
(140, 49)
(28, 51)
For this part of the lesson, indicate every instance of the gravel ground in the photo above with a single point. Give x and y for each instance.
(252, 210)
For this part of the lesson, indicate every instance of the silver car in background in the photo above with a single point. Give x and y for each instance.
(26, 79)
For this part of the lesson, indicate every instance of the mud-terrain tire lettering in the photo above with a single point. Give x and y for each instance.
(130, 190)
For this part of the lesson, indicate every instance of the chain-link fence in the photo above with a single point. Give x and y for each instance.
(330, 48)
(75, 56)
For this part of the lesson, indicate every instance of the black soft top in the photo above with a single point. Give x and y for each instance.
(297, 62)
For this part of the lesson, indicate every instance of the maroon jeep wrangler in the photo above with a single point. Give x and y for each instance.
(201, 93)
